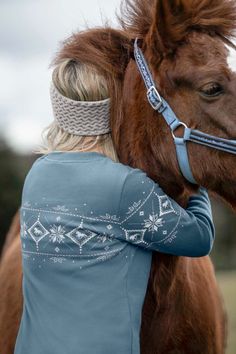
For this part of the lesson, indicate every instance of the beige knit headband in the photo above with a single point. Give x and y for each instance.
(80, 117)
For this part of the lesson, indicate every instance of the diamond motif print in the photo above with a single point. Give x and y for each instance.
(165, 205)
(135, 236)
(80, 237)
(37, 231)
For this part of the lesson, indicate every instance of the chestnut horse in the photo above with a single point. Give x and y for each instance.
(186, 44)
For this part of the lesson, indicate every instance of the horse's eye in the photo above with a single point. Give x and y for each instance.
(212, 90)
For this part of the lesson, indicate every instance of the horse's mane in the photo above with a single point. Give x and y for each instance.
(184, 16)
(103, 48)
(136, 16)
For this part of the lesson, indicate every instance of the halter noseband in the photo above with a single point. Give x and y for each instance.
(159, 104)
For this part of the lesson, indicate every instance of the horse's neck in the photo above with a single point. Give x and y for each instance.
(171, 184)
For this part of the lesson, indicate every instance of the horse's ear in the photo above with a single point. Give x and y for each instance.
(171, 21)
(175, 19)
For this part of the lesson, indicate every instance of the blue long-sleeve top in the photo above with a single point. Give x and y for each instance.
(88, 229)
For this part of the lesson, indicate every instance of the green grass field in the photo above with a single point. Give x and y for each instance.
(227, 282)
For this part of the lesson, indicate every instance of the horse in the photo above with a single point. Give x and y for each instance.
(188, 49)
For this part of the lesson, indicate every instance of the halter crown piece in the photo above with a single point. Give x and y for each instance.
(80, 117)
(160, 105)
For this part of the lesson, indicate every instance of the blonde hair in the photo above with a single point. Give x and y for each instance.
(79, 82)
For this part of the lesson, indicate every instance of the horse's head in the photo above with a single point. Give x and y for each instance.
(185, 43)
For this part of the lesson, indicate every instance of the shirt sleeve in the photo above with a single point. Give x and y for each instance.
(149, 218)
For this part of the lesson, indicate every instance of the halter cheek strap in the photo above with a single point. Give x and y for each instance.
(159, 104)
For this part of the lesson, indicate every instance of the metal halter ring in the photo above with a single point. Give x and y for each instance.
(179, 123)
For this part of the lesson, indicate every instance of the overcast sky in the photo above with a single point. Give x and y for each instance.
(30, 32)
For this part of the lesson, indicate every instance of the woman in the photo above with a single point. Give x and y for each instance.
(89, 225)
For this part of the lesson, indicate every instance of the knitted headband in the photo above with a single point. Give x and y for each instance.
(80, 117)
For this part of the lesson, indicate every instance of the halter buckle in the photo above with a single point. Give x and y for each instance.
(154, 98)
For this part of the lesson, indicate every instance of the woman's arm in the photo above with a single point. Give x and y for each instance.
(152, 220)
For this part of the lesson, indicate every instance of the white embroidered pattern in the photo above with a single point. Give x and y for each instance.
(109, 217)
(165, 205)
(37, 231)
(24, 230)
(75, 255)
(154, 222)
(103, 238)
(96, 257)
(60, 208)
(80, 237)
(92, 244)
(144, 201)
(133, 207)
(105, 257)
(169, 237)
(70, 214)
(57, 259)
(57, 233)
(135, 236)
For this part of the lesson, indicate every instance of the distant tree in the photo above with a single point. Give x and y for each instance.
(224, 251)
(13, 169)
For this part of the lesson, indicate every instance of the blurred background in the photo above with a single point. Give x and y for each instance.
(30, 35)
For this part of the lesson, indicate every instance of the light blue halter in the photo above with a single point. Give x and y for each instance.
(159, 104)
